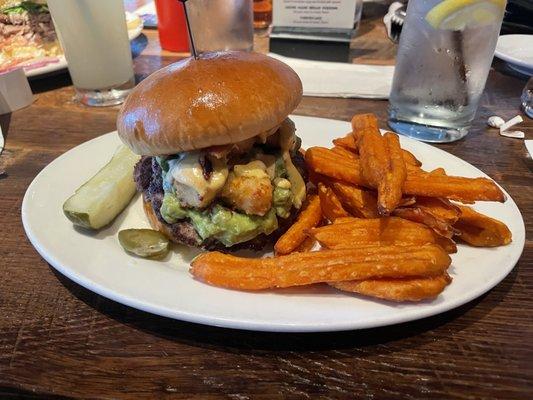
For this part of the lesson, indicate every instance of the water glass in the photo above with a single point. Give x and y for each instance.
(443, 60)
(222, 24)
(94, 36)
(527, 98)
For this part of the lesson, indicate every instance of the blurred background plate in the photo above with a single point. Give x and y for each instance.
(517, 51)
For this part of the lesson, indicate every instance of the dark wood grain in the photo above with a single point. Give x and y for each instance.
(58, 340)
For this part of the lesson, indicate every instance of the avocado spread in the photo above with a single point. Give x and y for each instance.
(229, 227)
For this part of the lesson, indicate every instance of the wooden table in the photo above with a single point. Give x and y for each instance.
(58, 340)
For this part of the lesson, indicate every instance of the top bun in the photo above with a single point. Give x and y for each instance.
(221, 98)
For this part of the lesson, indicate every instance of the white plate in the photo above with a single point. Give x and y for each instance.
(517, 50)
(61, 62)
(98, 263)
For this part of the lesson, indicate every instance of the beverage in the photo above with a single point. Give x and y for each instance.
(221, 25)
(527, 98)
(171, 25)
(262, 13)
(94, 37)
(444, 57)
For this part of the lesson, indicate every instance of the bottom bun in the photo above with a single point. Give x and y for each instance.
(155, 223)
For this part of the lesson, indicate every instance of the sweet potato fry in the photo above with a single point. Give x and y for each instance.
(381, 160)
(342, 151)
(407, 289)
(297, 269)
(452, 187)
(306, 245)
(325, 162)
(438, 171)
(347, 142)
(390, 188)
(374, 156)
(330, 203)
(357, 201)
(440, 208)
(308, 218)
(418, 214)
(346, 233)
(361, 122)
(410, 159)
(480, 230)
(407, 201)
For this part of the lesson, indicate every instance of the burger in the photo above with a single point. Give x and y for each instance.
(220, 166)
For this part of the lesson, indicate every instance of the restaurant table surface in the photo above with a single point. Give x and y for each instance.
(59, 340)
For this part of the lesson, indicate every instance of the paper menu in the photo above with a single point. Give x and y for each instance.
(335, 14)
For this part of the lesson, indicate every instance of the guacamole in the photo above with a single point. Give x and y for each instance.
(227, 226)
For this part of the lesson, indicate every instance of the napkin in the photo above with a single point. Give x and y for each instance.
(1, 140)
(331, 79)
(15, 91)
(529, 147)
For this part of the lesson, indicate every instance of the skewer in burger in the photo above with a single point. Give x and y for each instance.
(221, 166)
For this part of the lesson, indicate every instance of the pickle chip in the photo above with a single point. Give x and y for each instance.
(145, 243)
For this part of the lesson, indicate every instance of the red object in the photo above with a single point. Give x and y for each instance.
(172, 26)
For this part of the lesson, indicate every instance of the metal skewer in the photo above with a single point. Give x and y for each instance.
(191, 40)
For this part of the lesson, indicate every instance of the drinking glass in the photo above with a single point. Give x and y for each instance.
(443, 60)
(262, 13)
(527, 98)
(171, 26)
(222, 24)
(94, 36)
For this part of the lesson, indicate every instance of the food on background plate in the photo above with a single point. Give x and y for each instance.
(26, 33)
(221, 165)
(397, 258)
(98, 201)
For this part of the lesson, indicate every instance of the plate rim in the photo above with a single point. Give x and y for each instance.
(235, 323)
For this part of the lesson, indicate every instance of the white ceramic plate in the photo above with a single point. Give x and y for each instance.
(60, 62)
(98, 263)
(517, 50)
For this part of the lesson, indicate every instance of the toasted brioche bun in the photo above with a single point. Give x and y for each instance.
(219, 99)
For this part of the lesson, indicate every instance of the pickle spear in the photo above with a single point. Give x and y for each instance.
(99, 200)
(144, 242)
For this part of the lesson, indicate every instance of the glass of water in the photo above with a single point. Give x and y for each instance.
(222, 24)
(527, 98)
(94, 36)
(444, 57)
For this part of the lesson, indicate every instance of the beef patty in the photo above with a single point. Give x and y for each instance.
(148, 179)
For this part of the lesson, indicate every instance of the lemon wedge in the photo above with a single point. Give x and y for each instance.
(458, 14)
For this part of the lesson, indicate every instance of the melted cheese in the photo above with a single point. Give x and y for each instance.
(287, 139)
(190, 184)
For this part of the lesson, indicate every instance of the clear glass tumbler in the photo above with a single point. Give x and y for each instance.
(527, 98)
(94, 36)
(444, 56)
(222, 24)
